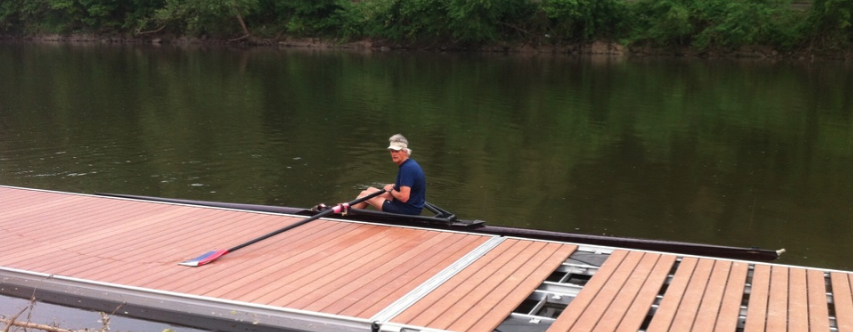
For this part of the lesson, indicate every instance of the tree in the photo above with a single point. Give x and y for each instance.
(831, 23)
(200, 17)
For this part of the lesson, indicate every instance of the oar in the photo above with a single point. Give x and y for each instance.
(211, 256)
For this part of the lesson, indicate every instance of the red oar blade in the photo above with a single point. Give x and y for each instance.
(204, 259)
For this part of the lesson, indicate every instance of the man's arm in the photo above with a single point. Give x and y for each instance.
(402, 195)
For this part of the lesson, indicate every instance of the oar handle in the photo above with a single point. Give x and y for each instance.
(304, 221)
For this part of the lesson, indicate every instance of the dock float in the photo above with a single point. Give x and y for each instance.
(121, 255)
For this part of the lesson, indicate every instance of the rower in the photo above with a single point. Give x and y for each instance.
(407, 195)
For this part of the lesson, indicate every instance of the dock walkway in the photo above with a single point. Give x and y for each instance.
(104, 253)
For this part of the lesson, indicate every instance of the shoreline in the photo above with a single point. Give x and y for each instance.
(597, 48)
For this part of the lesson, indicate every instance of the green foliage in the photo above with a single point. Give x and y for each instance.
(10, 19)
(681, 23)
(479, 21)
(415, 19)
(63, 16)
(71, 15)
(139, 14)
(737, 23)
(300, 17)
(712, 23)
(312, 16)
(206, 17)
(352, 20)
(661, 22)
(464, 22)
(400, 20)
(584, 19)
(830, 23)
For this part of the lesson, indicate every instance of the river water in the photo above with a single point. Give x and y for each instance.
(727, 152)
(23, 311)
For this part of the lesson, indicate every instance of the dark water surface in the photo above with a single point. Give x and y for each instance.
(76, 319)
(740, 153)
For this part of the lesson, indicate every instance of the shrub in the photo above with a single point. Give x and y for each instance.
(830, 24)
(713, 23)
(200, 17)
(585, 19)
(401, 20)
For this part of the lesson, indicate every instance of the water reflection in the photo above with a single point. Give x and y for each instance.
(726, 152)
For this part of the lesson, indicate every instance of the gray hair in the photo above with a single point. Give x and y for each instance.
(399, 138)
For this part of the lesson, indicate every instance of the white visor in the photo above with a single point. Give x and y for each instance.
(397, 146)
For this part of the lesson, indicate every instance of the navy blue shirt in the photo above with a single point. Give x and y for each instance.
(411, 175)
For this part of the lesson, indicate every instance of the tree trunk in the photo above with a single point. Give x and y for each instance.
(242, 23)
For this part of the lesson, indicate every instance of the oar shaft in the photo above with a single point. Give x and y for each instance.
(282, 230)
(303, 222)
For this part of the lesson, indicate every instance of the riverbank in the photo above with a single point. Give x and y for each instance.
(597, 48)
(706, 29)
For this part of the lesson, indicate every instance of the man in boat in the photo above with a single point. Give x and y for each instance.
(407, 194)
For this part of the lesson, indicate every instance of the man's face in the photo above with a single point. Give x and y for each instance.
(397, 156)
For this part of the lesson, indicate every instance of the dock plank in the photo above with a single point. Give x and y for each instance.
(729, 313)
(777, 307)
(180, 247)
(434, 304)
(798, 303)
(818, 307)
(169, 275)
(14, 197)
(494, 278)
(482, 299)
(665, 314)
(689, 307)
(46, 225)
(709, 309)
(756, 314)
(299, 240)
(368, 300)
(46, 205)
(843, 300)
(277, 275)
(627, 294)
(526, 279)
(275, 293)
(36, 210)
(358, 273)
(367, 307)
(594, 312)
(283, 256)
(366, 276)
(126, 246)
(578, 306)
(314, 270)
(637, 313)
(35, 255)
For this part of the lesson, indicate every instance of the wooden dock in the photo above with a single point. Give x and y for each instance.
(104, 253)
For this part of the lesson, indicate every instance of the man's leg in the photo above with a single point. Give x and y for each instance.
(376, 202)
